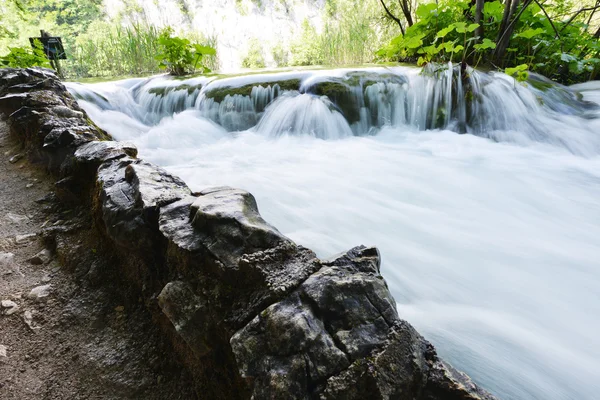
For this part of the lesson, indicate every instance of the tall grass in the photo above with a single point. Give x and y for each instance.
(112, 50)
(351, 32)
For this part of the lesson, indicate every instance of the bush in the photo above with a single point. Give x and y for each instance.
(254, 58)
(25, 57)
(179, 56)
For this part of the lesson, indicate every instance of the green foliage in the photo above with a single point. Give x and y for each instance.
(25, 57)
(254, 58)
(349, 32)
(519, 72)
(179, 56)
(445, 31)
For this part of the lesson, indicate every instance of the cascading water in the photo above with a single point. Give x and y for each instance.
(490, 240)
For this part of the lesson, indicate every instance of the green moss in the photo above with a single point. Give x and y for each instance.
(342, 96)
(161, 91)
(218, 94)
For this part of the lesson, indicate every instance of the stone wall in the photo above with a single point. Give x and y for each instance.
(250, 313)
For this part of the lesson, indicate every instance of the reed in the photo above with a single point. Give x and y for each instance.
(113, 50)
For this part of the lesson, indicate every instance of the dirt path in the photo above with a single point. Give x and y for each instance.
(79, 341)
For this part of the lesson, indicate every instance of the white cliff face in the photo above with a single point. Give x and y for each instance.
(234, 23)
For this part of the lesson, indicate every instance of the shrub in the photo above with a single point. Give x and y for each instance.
(179, 56)
(25, 57)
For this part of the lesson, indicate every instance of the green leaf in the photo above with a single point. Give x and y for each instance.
(530, 33)
(472, 27)
(485, 44)
(443, 32)
(461, 27)
(459, 48)
(518, 72)
(424, 11)
(414, 42)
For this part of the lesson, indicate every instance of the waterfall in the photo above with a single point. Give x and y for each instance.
(491, 105)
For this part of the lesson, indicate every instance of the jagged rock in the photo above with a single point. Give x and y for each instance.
(231, 216)
(97, 152)
(340, 313)
(20, 239)
(43, 257)
(132, 192)
(254, 279)
(28, 319)
(39, 292)
(16, 158)
(188, 313)
(3, 353)
(338, 336)
(16, 218)
(9, 307)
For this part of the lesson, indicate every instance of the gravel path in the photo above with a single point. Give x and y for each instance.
(71, 339)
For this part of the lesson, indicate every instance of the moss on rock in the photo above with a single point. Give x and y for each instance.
(219, 93)
(342, 95)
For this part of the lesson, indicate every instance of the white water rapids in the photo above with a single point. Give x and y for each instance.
(490, 241)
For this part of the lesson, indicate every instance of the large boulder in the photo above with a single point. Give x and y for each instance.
(338, 336)
(131, 195)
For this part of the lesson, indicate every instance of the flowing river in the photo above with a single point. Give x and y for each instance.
(490, 240)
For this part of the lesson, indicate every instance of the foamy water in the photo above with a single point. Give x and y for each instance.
(491, 249)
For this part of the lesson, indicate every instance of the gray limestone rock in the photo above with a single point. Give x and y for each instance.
(188, 312)
(232, 216)
(132, 192)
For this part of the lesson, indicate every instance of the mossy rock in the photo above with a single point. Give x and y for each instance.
(219, 94)
(162, 91)
(342, 95)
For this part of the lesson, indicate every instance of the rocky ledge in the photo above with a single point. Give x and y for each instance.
(250, 313)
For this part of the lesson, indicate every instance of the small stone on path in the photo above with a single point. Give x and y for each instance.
(28, 319)
(43, 257)
(16, 218)
(39, 292)
(9, 307)
(20, 239)
(15, 158)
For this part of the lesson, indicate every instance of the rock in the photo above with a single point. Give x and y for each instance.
(231, 224)
(9, 307)
(3, 353)
(6, 259)
(20, 239)
(339, 314)
(247, 284)
(188, 313)
(29, 185)
(132, 193)
(97, 152)
(8, 264)
(16, 158)
(39, 292)
(43, 257)
(338, 336)
(16, 218)
(28, 319)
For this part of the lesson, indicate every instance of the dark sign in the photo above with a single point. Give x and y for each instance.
(53, 47)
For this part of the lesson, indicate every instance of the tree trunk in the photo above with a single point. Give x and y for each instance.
(392, 16)
(405, 6)
(479, 19)
(505, 34)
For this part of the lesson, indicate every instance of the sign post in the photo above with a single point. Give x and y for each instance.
(53, 48)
